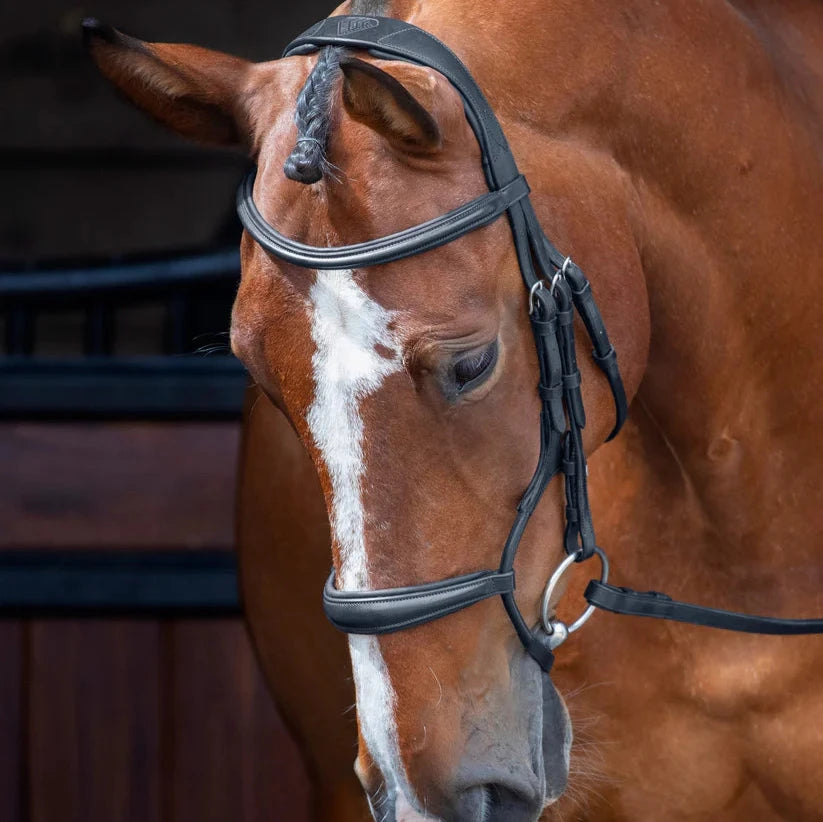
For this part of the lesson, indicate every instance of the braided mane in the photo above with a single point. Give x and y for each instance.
(308, 162)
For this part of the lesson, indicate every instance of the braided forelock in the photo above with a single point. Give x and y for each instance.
(308, 163)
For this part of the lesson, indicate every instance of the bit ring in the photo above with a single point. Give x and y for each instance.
(551, 625)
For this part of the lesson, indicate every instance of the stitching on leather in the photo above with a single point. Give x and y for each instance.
(463, 587)
(393, 33)
(473, 88)
(422, 619)
(278, 241)
(472, 92)
(429, 617)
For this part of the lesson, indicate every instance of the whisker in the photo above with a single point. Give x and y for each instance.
(206, 350)
(211, 334)
(256, 400)
(586, 686)
(440, 698)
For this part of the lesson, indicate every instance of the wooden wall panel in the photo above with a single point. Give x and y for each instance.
(93, 722)
(12, 748)
(232, 759)
(133, 721)
(132, 485)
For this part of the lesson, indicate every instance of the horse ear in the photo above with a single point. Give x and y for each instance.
(384, 103)
(194, 91)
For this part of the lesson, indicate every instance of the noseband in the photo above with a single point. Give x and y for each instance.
(557, 289)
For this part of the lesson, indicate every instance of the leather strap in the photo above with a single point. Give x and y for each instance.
(603, 354)
(391, 38)
(660, 606)
(394, 609)
(411, 241)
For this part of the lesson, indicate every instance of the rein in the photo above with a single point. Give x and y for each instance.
(557, 289)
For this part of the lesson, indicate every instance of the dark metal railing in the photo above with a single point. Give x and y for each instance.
(132, 278)
(136, 584)
(193, 293)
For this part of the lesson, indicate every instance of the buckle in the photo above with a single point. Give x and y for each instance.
(538, 286)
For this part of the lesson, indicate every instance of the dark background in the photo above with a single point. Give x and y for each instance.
(118, 445)
(84, 174)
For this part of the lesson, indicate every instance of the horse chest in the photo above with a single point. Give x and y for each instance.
(731, 726)
(732, 676)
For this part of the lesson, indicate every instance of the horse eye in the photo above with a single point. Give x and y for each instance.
(471, 370)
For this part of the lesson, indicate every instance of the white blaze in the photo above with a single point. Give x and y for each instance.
(346, 327)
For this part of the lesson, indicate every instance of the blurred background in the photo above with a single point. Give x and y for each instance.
(129, 689)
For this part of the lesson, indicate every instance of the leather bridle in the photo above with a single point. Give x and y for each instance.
(557, 289)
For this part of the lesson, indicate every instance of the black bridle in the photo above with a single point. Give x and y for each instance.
(557, 289)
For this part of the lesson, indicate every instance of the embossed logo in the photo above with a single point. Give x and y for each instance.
(351, 25)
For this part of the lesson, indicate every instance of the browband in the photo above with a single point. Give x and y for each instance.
(414, 240)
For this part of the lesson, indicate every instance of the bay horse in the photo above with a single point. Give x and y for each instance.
(675, 150)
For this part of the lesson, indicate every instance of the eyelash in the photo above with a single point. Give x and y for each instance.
(475, 367)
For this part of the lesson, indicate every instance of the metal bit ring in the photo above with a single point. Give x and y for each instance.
(554, 626)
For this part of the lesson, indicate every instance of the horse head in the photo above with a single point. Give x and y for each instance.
(412, 385)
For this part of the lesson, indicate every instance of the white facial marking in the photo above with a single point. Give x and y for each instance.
(346, 327)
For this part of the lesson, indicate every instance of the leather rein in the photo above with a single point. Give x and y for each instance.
(557, 289)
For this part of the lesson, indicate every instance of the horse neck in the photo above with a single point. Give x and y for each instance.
(725, 162)
(721, 138)
(715, 124)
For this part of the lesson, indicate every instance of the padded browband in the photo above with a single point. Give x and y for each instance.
(394, 609)
(411, 241)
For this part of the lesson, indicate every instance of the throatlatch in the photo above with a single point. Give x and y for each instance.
(557, 289)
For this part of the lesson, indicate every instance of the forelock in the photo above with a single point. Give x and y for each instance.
(307, 162)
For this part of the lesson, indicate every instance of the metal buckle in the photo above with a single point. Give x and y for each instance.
(560, 274)
(538, 286)
(557, 630)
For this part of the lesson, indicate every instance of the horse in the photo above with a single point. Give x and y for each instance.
(674, 150)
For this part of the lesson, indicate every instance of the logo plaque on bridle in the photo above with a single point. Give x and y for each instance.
(352, 25)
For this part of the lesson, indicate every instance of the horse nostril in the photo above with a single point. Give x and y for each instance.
(496, 803)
